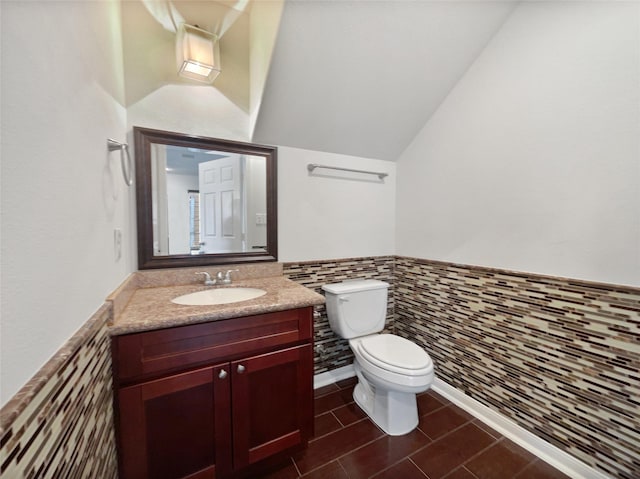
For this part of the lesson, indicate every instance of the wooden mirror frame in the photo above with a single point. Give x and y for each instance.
(143, 138)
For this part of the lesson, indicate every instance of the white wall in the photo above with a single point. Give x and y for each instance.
(532, 163)
(178, 187)
(256, 198)
(192, 109)
(62, 193)
(325, 215)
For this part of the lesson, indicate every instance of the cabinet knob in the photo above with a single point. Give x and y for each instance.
(241, 368)
(222, 374)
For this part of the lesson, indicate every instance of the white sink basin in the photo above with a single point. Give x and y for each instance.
(219, 296)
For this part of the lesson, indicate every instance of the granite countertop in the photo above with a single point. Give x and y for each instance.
(151, 308)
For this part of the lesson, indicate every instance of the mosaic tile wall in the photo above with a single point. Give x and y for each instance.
(60, 425)
(332, 352)
(559, 357)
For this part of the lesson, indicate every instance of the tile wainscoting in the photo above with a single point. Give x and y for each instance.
(559, 357)
(332, 352)
(60, 424)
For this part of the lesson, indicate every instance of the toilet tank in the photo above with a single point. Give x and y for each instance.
(356, 308)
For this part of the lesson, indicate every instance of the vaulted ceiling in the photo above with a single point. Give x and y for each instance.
(363, 77)
(356, 77)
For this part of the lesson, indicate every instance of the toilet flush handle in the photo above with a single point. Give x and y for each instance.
(343, 299)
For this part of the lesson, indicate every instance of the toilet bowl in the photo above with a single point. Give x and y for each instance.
(391, 370)
(389, 379)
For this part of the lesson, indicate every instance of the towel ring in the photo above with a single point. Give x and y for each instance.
(113, 145)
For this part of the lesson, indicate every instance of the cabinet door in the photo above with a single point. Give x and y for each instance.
(177, 427)
(272, 403)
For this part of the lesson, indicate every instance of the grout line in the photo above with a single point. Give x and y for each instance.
(463, 464)
(458, 468)
(327, 393)
(342, 467)
(466, 469)
(535, 459)
(338, 419)
(433, 411)
(389, 466)
(491, 433)
(411, 460)
(496, 441)
(296, 466)
(333, 409)
(470, 421)
(350, 451)
(339, 429)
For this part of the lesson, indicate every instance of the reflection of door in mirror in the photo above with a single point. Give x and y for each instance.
(194, 221)
(221, 217)
(231, 205)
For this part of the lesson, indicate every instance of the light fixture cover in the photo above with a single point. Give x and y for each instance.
(198, 54)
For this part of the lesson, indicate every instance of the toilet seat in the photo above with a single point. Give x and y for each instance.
(396, 354)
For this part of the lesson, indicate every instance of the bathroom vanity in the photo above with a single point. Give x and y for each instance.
(213, 391)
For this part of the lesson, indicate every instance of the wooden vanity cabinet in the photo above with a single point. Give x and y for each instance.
(176, 426)
(215, 399)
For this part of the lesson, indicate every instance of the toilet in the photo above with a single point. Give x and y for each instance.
(390, 369)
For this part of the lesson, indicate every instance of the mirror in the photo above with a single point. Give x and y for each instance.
(203, 201)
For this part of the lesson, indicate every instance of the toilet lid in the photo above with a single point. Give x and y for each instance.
(394, 353)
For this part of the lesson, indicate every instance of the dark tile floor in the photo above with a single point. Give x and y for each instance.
(448, 443)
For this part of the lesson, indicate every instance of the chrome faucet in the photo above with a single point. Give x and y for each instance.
(207, 279)
(221, 277)
(227, 276)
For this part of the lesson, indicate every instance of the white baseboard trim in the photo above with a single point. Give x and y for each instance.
(333, 376)
(549, 453)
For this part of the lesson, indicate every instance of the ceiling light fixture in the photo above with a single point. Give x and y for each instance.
(198, 53)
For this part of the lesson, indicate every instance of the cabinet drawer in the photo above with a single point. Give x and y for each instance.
(140, 355)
